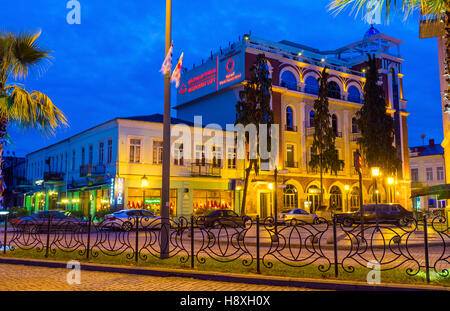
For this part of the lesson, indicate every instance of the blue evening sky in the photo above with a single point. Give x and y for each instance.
(108, 66)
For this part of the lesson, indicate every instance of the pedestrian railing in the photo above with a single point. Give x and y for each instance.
(414, 246)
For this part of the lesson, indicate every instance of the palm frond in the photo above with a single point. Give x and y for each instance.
(48, 116)
(27, 54)
(32, 110)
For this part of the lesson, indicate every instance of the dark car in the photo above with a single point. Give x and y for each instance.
(225, 218)
(387, 214)
(39, 222)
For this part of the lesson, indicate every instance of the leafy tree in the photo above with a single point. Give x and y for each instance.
(19, 55)
(324, 154)
(253, 107)
(376, 126)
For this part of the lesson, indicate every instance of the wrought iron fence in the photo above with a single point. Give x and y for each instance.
(334, 246)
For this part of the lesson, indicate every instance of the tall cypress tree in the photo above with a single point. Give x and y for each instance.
(376, 125)
(324, 154)
(253, 107)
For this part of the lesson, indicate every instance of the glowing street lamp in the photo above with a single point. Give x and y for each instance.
(144, 184)
(346, 188)
(390, 182)
(375, 173)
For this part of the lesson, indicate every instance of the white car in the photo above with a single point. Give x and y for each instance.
(126, 220)
(298, 216)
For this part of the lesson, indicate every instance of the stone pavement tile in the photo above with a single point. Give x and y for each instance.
(25, 278)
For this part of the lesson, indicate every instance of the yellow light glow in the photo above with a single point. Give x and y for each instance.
(346, 187)
(270, 186)
(144, 182)
(375, 171)
(390, 180)
(238, 188)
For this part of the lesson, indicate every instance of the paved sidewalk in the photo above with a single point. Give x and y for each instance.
(26, 278)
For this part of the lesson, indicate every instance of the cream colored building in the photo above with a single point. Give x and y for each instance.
(427, 169)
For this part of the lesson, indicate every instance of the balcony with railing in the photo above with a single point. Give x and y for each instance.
(53, 176)
(92, 170)
(291, 128)
(205, 170)
(355, 136)
(291, 164)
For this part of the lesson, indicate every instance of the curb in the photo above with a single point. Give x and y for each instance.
(336, 285)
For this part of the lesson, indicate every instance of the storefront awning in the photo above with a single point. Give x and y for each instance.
(443, 191)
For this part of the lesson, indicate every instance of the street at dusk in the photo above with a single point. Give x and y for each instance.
(257, 147)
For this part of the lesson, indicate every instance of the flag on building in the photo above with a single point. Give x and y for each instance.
(167, 64)
(176, 75)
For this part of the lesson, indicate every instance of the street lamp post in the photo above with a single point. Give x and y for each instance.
(390, 182)
(347, 188)
(165, 191)
(375, 174)
(144, 184)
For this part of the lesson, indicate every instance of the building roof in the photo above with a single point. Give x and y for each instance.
(157, 118)
(154, 118)
(427, 150)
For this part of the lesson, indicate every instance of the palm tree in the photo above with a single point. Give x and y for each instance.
(20, 55)
(436, 10)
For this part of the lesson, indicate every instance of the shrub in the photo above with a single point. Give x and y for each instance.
(18, 211)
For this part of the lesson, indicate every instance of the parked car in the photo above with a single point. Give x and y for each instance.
(39, 222)
(297, 215)
(126, 220)
(387, 214)
(226, 218)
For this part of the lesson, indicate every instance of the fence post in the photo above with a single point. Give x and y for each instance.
(5, 234)
(137, 239)
(425, 237)
(192, 241)
(89, 237)
(336, 272)
(49, 225)
(258, 268)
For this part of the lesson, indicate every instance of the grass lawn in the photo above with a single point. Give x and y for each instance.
(278, 269)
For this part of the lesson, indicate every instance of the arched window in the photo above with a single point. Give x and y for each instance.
(354, 199)
(289, 119)
(313, 198)
(353, 94)
(354, 126)
(334, 124)
(290, 197)
(311, 118)
(288, 80)
(311, 85)
(334, 91)
(335, 199)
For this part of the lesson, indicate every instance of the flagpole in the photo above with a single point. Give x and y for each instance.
(165, 191)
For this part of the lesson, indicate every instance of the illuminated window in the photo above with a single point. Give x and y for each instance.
(290, 197)
(440, 173)
(178, 154)
(157, 152)
(429, 173)
(231, 157)
(135, 150)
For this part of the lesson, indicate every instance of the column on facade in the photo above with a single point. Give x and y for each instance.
(347, 151)
(302, 127)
